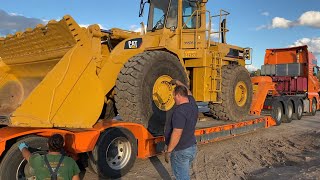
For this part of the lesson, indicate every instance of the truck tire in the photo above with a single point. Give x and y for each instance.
(236, 94)
(287, 117)
(314, 107)
(277, 112)
(114, 153)
(137, 82)
(13, 164)
(299, 110)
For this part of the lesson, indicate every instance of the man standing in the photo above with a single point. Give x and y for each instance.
(54, 165)
(179, 133)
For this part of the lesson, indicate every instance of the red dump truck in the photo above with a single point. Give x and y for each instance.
(293, 72)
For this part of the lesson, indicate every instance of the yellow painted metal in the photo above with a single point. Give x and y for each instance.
(59, 82)
(241, 93)
(58, 75)
(162, 93)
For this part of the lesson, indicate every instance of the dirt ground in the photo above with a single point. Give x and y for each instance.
(289, 151)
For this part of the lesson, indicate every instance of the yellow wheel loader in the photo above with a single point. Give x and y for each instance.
(66, 76)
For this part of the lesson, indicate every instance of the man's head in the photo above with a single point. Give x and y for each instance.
(180, 94)
(56, 143)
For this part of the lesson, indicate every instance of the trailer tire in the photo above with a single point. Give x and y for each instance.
(287, 117)
(299, 110)
(230, 108)
(13, 164)
(277, 112)
(106, 162)
(314, 107)
(134, 94)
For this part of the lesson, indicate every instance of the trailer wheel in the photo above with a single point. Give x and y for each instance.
(314, 107)
(287, 118)
(277, 112)
(14, 165)
(114, 153)
(143, 92)
(299, 111)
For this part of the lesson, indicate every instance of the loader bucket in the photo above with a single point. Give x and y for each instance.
(47, 75)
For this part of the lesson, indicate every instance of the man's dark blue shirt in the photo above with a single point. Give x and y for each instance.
(184, 117)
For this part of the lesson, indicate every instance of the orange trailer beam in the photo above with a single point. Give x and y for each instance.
(84, 140)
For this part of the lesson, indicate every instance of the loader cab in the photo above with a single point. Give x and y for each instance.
(181, 18)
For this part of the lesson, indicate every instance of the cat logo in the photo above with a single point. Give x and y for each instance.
(133, 43)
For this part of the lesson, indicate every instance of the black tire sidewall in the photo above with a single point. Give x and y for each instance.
(13, 157)
(274, 112)
(314, 111)
(299, 116)
(158, 68)
(287, 118)
(102, 167)
(134, 88)
(243, 76)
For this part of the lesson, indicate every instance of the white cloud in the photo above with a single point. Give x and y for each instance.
(87, 25)
(313, 44)
(309, 18)
(15, 14)
(137, 28)
(251, 68)
(265, 14)
(84, 25)
(279, 22)
(261, 27)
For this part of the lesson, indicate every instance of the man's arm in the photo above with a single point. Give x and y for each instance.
(179, 83)
(24, 150)
(76, 177)
(175, 138)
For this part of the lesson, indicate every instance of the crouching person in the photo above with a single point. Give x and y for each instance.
(53, 165)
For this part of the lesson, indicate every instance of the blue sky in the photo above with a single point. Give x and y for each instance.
(259, 24)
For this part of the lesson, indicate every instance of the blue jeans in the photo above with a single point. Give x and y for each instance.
(181, 162)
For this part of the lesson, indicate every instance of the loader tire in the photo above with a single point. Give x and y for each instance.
(114, 154)
(232, 107)
(135, 84)
(109, 110)
(14, 165)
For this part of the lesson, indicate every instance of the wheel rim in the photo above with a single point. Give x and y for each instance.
(118, 153)
(241, 93)
(162, 93)
(20, 170)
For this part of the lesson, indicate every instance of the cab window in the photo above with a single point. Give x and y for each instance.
(189, 16)
(172, 19)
